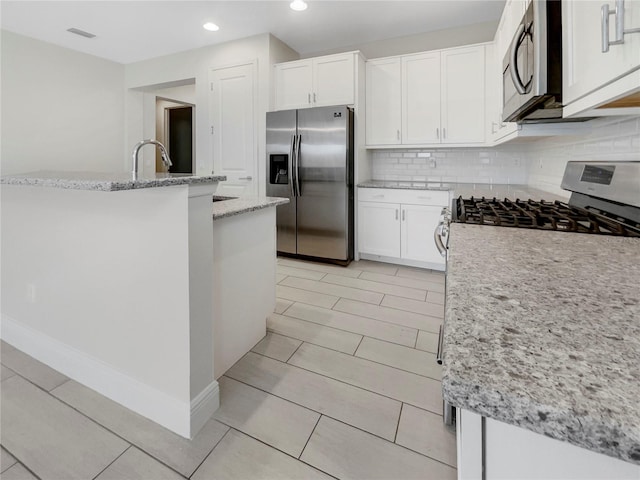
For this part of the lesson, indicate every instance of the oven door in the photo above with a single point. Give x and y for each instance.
(441, 233)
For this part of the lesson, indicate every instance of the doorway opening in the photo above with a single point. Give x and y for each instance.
(175, 129)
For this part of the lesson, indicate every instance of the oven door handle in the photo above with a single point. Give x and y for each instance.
(513, 64)
(437, 237)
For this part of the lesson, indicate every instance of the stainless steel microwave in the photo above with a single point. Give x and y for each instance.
(532, 68)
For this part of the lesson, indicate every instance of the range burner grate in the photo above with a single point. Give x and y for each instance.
(541, 215)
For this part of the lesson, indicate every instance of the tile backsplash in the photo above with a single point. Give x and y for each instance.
(537, 163)
(502, 164)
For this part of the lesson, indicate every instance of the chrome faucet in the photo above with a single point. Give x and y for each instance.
(163, 153)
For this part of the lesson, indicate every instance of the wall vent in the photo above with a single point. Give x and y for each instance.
(82, 33)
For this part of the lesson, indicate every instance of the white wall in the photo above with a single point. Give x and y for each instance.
(451, 37)
(61, 109)
(612, 139)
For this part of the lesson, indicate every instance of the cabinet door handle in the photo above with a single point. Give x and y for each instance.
(246, 178)
(398, 134)
(379, 196)
(438, 133)
(396, 213)
(309, 98)
(314, 97)
(403, 215)
(444, 133)
(620, 32)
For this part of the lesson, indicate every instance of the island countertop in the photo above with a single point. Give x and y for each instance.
(230, 206)
(542, 331)
(105, 181)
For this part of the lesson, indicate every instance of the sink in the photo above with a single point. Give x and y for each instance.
(220, 198)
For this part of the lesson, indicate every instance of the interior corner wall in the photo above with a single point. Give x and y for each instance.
(61, 109)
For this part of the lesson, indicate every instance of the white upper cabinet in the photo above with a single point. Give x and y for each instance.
(421, 98)
(463, 95)
(384, 96)
(430, 98)
(593, 78)
(315, 82)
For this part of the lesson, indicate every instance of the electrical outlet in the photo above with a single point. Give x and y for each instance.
(31, 293)
(432, 163)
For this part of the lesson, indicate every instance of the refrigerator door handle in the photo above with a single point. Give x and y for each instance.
(297, 167)
(292, 151)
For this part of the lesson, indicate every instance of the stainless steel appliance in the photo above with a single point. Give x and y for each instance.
(532, 68)
(605, 200)
(310, 161)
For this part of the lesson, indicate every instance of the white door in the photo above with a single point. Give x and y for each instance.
(585, 67)
(421, 98)
(379, 228)
(293, 85)
(463, 94)
(333, 80)
(233, 129)
(418, 224)
(384, 100)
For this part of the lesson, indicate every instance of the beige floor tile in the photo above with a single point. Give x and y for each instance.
(427, 341)
(355, 324)
(18, 472)
(238, 456)
(398, 356)
(272, 420)
(137, 465)
(277, 346)
(404, 282)
(391, 315)
(346, 452)
(54, 440)
(6, 460)
(36, 372)
(5, 373)
(435, 297)
(319, 267)
(299, 272)
(397, 384)
(282, 305)
(421, 274)
(376, 267)
(424, 308)
(304, 296)
(424, 432)
(280, 277)
(171, 449)
(313, 333)
(331, 289)
(379, 287)
(366, 410)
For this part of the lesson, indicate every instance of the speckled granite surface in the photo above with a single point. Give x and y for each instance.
(466, 190)
(237, 206)
(104, 181)
(542, 331)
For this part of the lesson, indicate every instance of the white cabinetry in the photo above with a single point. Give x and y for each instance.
(511, 452)
(591, 78)
(315, 82)
(431, 98)
(397, 226)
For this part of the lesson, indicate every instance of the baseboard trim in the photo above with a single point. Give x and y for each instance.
(183, 418)
(400, 261)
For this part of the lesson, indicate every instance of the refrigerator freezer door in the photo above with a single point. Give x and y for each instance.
(324, 167)
(281, 129)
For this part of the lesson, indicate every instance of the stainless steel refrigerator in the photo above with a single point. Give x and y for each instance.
(310, 161)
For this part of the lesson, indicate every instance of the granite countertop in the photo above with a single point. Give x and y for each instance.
(542, 331)
(105, 181)
(466, 190)
(230, 206)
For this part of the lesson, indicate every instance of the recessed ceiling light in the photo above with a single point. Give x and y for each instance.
(212, 27)
(298, 5)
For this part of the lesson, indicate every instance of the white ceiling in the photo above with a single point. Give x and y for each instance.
(130, 31)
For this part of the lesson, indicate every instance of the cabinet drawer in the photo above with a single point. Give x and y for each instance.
(415, 197)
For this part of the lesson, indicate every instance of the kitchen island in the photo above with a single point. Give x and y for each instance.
(120, 283)
(541, 342)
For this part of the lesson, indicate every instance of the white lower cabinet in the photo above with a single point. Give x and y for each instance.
(505, 451)
(397, 226)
